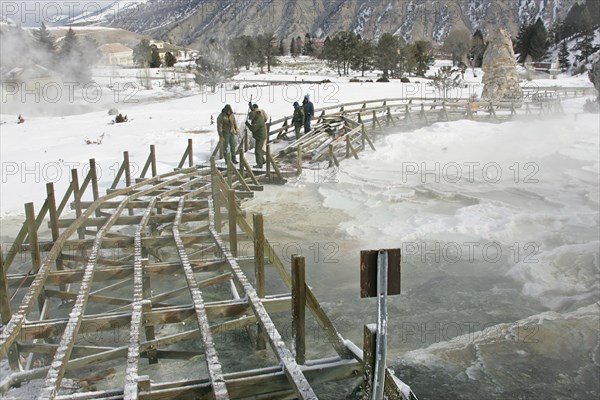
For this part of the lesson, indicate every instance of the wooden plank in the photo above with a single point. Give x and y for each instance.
(264, 383)
(6, 314)
(11, 330)
(369, 353)
(299, 308)
(33, 246)
(212, 360)
(135, 219)
(292, 370)
(63, 353)
(138, 305)
(232, 207)
(319, 314)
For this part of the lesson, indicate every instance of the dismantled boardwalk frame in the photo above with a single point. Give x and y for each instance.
(177, 234)
(154, 273)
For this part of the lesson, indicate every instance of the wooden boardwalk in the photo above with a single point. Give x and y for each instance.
(132, 296)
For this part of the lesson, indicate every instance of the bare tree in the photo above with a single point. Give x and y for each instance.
(458, 43)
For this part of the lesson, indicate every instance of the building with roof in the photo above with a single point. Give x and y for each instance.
(116, 54)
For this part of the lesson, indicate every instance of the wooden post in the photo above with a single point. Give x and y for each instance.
(153, 160)
(369, 351)
(240, 156)
(299, 172)
(77, 200)
(332, 157)
(146, 308)
(94, 179)
(229, 169)
(444, 112)
(269, 128)
(232, 222)
(374, 119)
(215, 194)
(6, 314)
(347, 146)
(54, 226)
(299, 308)
(127, 168)
(245, 140)
(407, 116)
(259, 260)
(190, 153)
(268, 174)
(350, 149)
(34, 247)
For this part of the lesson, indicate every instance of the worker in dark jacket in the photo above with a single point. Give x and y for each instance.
(259, 132)
(227, 129)
(309, 112)
(298, 119)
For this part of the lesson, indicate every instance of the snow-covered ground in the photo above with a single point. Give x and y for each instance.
(498, 223)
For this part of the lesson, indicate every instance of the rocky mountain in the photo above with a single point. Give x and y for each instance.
(193, 22)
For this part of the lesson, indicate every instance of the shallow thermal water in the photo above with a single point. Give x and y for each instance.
(499, 230)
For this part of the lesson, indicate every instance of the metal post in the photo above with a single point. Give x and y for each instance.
(382, 284)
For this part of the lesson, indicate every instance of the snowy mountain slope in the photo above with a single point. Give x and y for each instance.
(197, 21)
(104, 11)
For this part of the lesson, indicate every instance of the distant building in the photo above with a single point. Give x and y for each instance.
(29, 82)
(159, 44)
(116, 54)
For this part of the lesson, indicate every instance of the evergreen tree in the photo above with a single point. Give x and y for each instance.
(293, 48)
(155, 61)
(45, 43)
(387, 54)
(45, 39)
(421, 53)
(407, 63)
(243, 51)
(532, 41)
(538, 46)
(573, 21)
(88, 48)
(363, 56)
(594, 75)
(563, 57)
(76, 56)
(309, 48)
(299, 45)
(68, 46)
(281, 48)
(478, 47)
(267, 49)
(170, 59)
(142, 53)
(458, 43)
(585, 45)
(555, 33)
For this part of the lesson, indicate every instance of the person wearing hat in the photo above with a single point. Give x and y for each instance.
(298, 119)
(263, 112)
(227, 128)
(259, 132)
(309, 112)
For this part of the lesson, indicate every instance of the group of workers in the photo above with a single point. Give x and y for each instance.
(257, 119)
